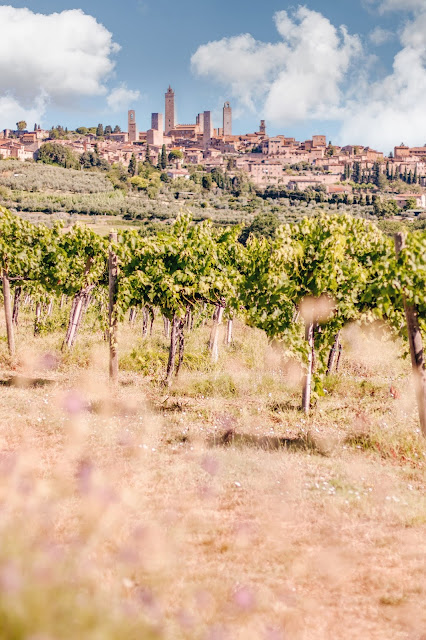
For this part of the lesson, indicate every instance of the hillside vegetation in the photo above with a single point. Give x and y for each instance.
(39, 188)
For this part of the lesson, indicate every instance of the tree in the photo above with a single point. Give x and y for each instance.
(163, 161)
(117, 129)
(132, 165)
(100, 130)
(207, 182)
(382, 181)
(376, 173)
(54, 153)
(264, 225)
(410, 204)
(175, 154)
(21, 125)
(148, 154)
(385, 209)
(357, 172)
(108, 130)
(82, 130)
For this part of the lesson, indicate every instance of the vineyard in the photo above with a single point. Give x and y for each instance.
(212, 439)
(302, 289)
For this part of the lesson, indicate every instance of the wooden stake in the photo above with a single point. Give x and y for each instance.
(8, 313)
(172, 351)
(307, 382)
(166, 322)
(112, 314)
(37, 318)
(228, 339)
(16, 304)
(332, 354)
(214, 334)
(181, 340)
(416, 345)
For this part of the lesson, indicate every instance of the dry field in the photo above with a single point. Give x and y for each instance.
(214, 511)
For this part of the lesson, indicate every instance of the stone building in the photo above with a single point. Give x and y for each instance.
(157, 121)
(132, 126)
(227, 119)
(207, 129)
(200, 122)
(155, 135)
(170, 110)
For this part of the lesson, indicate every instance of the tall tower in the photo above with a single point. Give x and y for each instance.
(157, 121)
(170, 110)
(200, 122)
(132, 126)
(207, 130)
(262, 129)
(227, 119)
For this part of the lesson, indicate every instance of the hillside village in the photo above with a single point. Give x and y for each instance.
(269, 163)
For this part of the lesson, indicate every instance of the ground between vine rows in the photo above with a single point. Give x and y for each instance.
(164, 522)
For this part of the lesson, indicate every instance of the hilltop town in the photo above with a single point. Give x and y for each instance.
(276, 164)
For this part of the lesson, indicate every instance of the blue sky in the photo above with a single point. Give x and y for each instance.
(354, 70)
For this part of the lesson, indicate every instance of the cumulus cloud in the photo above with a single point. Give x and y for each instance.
(395, 105)
(51, 58)
(399, 5)
(297, 78)
(121, 98)
(380, 36)
(11, 111)
(320, 72)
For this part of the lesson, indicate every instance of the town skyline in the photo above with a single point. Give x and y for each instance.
(355, 72)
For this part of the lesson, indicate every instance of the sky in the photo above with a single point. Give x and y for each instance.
(353, 70)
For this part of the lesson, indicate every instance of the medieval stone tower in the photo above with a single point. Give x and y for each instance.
(207, 129)
(262, 128)
(132, 126)
(170, 110)
(227, 119)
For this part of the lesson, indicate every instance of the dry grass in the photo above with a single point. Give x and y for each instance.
(126, 514)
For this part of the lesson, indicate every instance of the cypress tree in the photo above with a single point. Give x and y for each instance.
(357, 172)
(132, 165)
(376, 173)
(163, 157)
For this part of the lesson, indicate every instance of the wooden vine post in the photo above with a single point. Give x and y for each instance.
(214, 334)
(112, 311)
(416, 345)
(307, 381)
(8, 313)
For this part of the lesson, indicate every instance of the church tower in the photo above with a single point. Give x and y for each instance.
(170, 110)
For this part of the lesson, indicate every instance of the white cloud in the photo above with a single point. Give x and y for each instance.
(310, 75)
(61, 56)
(11, 111)
(380, 36)
(289, 81)
(121, 98)
(394, 108)
(400, 5)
